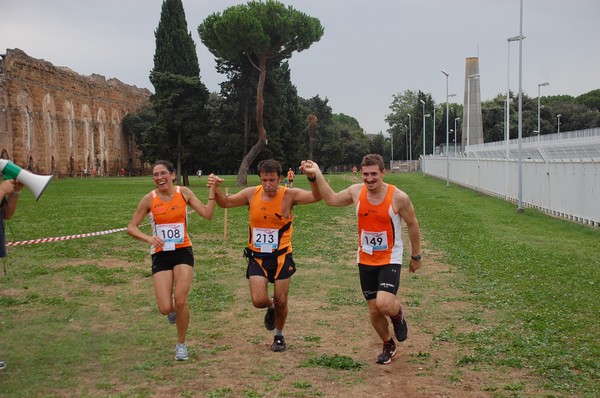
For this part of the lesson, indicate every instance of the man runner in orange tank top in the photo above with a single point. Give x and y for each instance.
(269, 249)
(380, 210)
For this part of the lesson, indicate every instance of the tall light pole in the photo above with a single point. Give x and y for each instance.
(507, 126)
(538, 130)
(392, 161)
(473, 76)
(508, 99)
(406, 140)
(423, 134)
(520, 206)
(410, 141)
(447, 139)
(433, 132)
(558, 125)
(427, 115)
(455, 134)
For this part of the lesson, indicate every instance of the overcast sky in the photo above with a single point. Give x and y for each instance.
(370, 51)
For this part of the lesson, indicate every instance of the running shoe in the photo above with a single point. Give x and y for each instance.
(2, 365)
(181, 352)
(400, 328)
(270, 318)
(389, 350)
(172, 317)
(278, 344)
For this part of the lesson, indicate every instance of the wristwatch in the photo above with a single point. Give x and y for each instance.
(416, 258)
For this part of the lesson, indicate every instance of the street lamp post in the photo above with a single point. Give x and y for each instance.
(507, 132)
(538, 130)
(508, 99)
(392, 161)
(406, 140)
(447, 132)
(433, 132)
(473, 76)
(558, 125)
(520, 129)
(455, 134)
(410, 141)
(423, 133)
(428, 115)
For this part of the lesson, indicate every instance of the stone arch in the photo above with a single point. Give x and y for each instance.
(88, 142)
(25, 106)
(71, 166)
(69, 113)
(101, 154)
(117, 141)
(49, 141)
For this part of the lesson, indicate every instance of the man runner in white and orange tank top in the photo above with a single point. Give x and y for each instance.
(380, 210)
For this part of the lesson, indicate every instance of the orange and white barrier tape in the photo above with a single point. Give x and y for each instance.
(69, 237)
(61, 238)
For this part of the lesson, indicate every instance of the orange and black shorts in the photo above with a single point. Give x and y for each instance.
(272, 268)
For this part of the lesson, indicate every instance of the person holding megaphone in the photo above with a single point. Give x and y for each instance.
(9, 198)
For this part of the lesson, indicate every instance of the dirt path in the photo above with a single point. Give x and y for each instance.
(423, 366)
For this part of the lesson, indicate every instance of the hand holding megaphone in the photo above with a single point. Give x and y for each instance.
(36, 183)
(9, 187)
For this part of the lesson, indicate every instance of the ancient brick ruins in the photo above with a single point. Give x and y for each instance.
(55, 121)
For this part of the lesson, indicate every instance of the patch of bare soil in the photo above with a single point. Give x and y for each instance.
(422, 367)
(230, 355)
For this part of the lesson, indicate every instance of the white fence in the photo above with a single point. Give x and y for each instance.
(560, 172)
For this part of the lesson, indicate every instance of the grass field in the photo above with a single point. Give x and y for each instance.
(78, 317)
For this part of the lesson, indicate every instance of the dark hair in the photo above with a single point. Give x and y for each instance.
(373, 159)
(165, 163)
(269, 166)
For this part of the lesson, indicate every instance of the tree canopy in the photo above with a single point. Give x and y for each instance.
(258, 33)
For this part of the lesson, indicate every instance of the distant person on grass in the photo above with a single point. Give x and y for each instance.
(290, 178)
(171, 248)
(380, 210)
(269, 250)
(9, 198)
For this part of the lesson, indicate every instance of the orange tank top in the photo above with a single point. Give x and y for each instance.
(269, 230)
(379, 230)
(169, 221)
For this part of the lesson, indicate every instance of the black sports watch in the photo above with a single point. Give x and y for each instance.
(416, 258)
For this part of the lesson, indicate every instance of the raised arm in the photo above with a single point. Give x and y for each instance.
(205, 210)
(321, 188)
(240, 198)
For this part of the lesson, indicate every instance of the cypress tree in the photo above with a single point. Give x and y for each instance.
(180, 97)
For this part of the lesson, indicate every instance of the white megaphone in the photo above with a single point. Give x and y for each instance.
(36, 184)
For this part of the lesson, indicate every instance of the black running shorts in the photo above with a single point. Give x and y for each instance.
(166, 261)
(376, 278)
